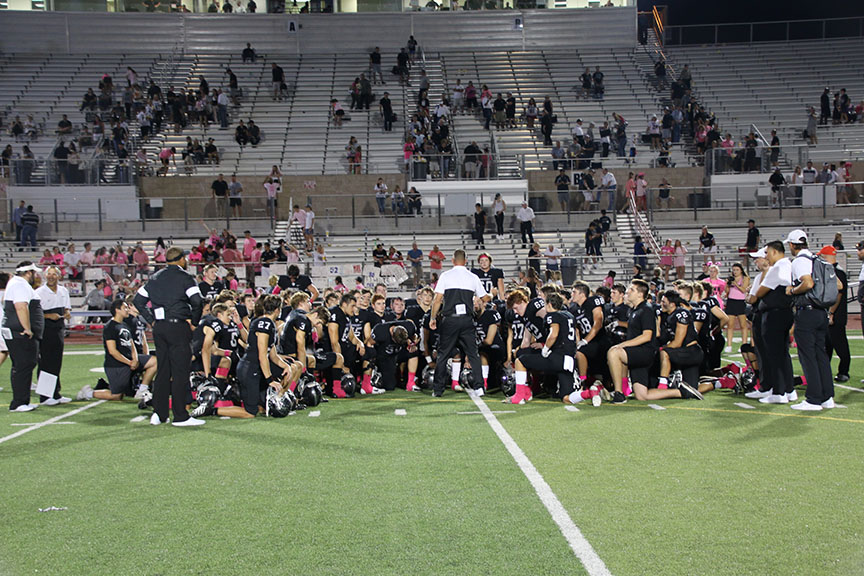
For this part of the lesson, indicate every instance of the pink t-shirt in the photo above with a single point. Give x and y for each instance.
(719, 287)
(249, 248)
(666, 255)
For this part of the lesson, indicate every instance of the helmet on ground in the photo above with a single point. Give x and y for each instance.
(427, 377)
(375, 378)
(466, 378)
(308, 391)
(197, 380)
(278, 404)
(349, 385)
(508, 381)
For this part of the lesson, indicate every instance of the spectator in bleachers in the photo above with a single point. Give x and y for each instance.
(499, 107)
(385, 107)
(620, 134)
(664, 194)
(586, 81)
(380, 194)
(458, 98)
(89, 102)
(599, 86)
(486, 105)
(415, 202)
(558, 155)
(211, 152)
(653, 132)
(375, 65)
(479, 226)
(248, 54)
(403, 69)
(471, 96)
(531, 113)
(227, 8)
(337, 112)
(235, 189)
(610, 185)
(445, 156)
(277, 80)
(546, 122)
(562, 185)
(660, 73)
(64, 126)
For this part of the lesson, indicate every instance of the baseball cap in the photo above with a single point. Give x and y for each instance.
(27, 267)
(796, 236)
(759, 253)
(174, 254)
(828, 251)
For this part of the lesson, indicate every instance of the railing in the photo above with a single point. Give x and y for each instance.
(735, 160)
(459, 167)
(773, 31)
(83, 172)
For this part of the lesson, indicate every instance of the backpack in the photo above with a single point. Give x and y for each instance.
(824, 292)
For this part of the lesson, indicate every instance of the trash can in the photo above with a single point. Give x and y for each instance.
(419, 170)
(569, 270)
(537, 203)
(153, 209)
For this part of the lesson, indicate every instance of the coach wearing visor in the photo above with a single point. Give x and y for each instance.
(23, 323)
(174, 310)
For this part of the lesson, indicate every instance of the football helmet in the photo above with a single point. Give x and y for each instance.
(349, 385)
(279, 405)
(427, 377)
(308, 391)
(466, 378)
(197, 380)
(508, 381)
(207, 397)
(375, 378)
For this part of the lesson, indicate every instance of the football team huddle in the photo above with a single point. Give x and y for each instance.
(294, 348)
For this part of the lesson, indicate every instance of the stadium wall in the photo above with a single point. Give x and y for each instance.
(72, 33)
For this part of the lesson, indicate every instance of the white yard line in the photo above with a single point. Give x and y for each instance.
(138, 418)
(314, 414)
(50, 421)
(400, 412)
(655, 407)
(34, 423)
(745, 406)
(848, 387)
(580, 546)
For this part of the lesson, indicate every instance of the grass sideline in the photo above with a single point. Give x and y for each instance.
(697, 488)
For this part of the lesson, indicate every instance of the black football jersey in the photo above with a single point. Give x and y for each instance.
(565, 343)
(489, 278)
(533, 323)
(229, 337)
(198, 335)
(516, 327)
(384, 340)
(433, 334)
(490, 317)
(338, 317)
(642, 318)
(260, 325)
(297, 322)
(670, 325)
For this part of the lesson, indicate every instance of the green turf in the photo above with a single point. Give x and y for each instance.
(699, 488)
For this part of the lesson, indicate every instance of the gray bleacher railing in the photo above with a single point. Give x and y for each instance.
(458, 167)
(772, 31)
(83, 172)
(734, 160)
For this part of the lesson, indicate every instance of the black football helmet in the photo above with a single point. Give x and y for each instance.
(508, 381)
(207, 397)
(197, 380)
(466, 378)
(427, 377)
(349, 385)
(279, 405)
(308, 391)
(375, 378)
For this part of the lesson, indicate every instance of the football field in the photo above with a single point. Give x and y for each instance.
(403, 484)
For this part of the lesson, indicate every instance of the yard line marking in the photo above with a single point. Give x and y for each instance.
(314, 414)
(138, 418)
(400, 412)
(25, 424)
(493, 411)
(771, 413)
(571, 408)
(745, 406)
(50, 421)
(84, 353)
(839, 405)
(580, 546)
(656, 407)
(849, 388)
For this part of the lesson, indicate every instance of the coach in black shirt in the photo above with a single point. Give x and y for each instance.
(176, 309)
(837, 318)
(454, 299)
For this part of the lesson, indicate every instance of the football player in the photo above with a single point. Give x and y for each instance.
(207, 356)
(344, 341)
(680, 350)
(490, 345)
(388, 339)
(138, 328)
(298, 282)
(592, 346)
(491, 278)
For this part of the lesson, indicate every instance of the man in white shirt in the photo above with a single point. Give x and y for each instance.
(811, 329)
(309, 228)
(222, 102)
(809, 174)
(777, 386)
(70, 259)
(552, 254)
(22, 328)
(578, 132)
(525, 216)
(56, 308)
(608, 183)
(458, 96)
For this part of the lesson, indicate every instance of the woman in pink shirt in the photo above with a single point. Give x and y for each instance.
(160, 251)
(141, 260)
(680, 259)
(231, 254)
(667, 259)
(736, 294)
(718, 283)
(641, 192)
(630, 187)
(121, 260)
(47, 258)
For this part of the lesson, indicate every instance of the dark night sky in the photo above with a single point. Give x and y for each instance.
(719, 11)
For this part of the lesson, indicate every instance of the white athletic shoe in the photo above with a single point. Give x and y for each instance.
(575, 397)
(155, 420)
(50, 402)
(728, 349)
(86, 393)
(189, 422)
(792, 396)
(596, 400)
(757, 394)
(806, 406)
(24, 408)
(142, 390)
(64, 400)
(479, 392)
(829, 404)
(378, 390)
(774, 399)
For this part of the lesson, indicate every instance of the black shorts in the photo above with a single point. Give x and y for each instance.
(735, 307)
(555, 363)
(685, 357)
(235, 202)
(387, 368)
(592, 349)
(119, 379)
(639, 361)
(324, 360)
(198, 364)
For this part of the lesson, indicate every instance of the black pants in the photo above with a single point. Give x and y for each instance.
(478, 236)
(172, 340)
(24, 353)
(811, 334)
(837, 342)
(457, 331)
(777, 364)
(499, 223)
(388, 122)
(51, 352)
(758, 343)
(527, 230)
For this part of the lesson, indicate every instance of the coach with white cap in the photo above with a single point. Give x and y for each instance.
(56, 307)
(454, 298)
(22, 328)
(811, 329)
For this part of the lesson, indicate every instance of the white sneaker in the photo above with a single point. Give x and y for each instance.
(806, 406)
(479, 392)
(792, 396)
(829, 403)
(189, 422)
(64, 400)
(378, 390)
(774, 399)
(757, 394)
(596, 400)
(50, 402)
(86, 393)
(155, 420)
(728, 349)
(24, 408)
(142, 390)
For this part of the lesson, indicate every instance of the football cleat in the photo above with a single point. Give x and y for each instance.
(86, 393)
(596, 399)
(207, 397)
(375, 378)
(675, 379)
(689, 392)
(141, 391)
(146, 400)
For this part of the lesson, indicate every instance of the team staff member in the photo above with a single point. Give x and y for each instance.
(177, 306)
(23, 324)
(56, 308)
(837, 318)
(454, 298)
(811, 329)
(860, 248)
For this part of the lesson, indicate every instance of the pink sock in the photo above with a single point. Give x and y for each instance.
(366, 383)
(453, 384)
(586, 394)
(337, 389)
(485, 383)
(411, 378)
(662, 386)
(625, 386)
(292, 385)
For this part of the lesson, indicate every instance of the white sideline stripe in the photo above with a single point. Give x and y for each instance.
(848, 387)
(571, 408)
(745, 406)
(25, 424)
(839, 405)
(138, 418)
(315, 414)
(655, 407)
(50, 421)
(493, 411)
(400, 412)
(580, 546)
(84, 353)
